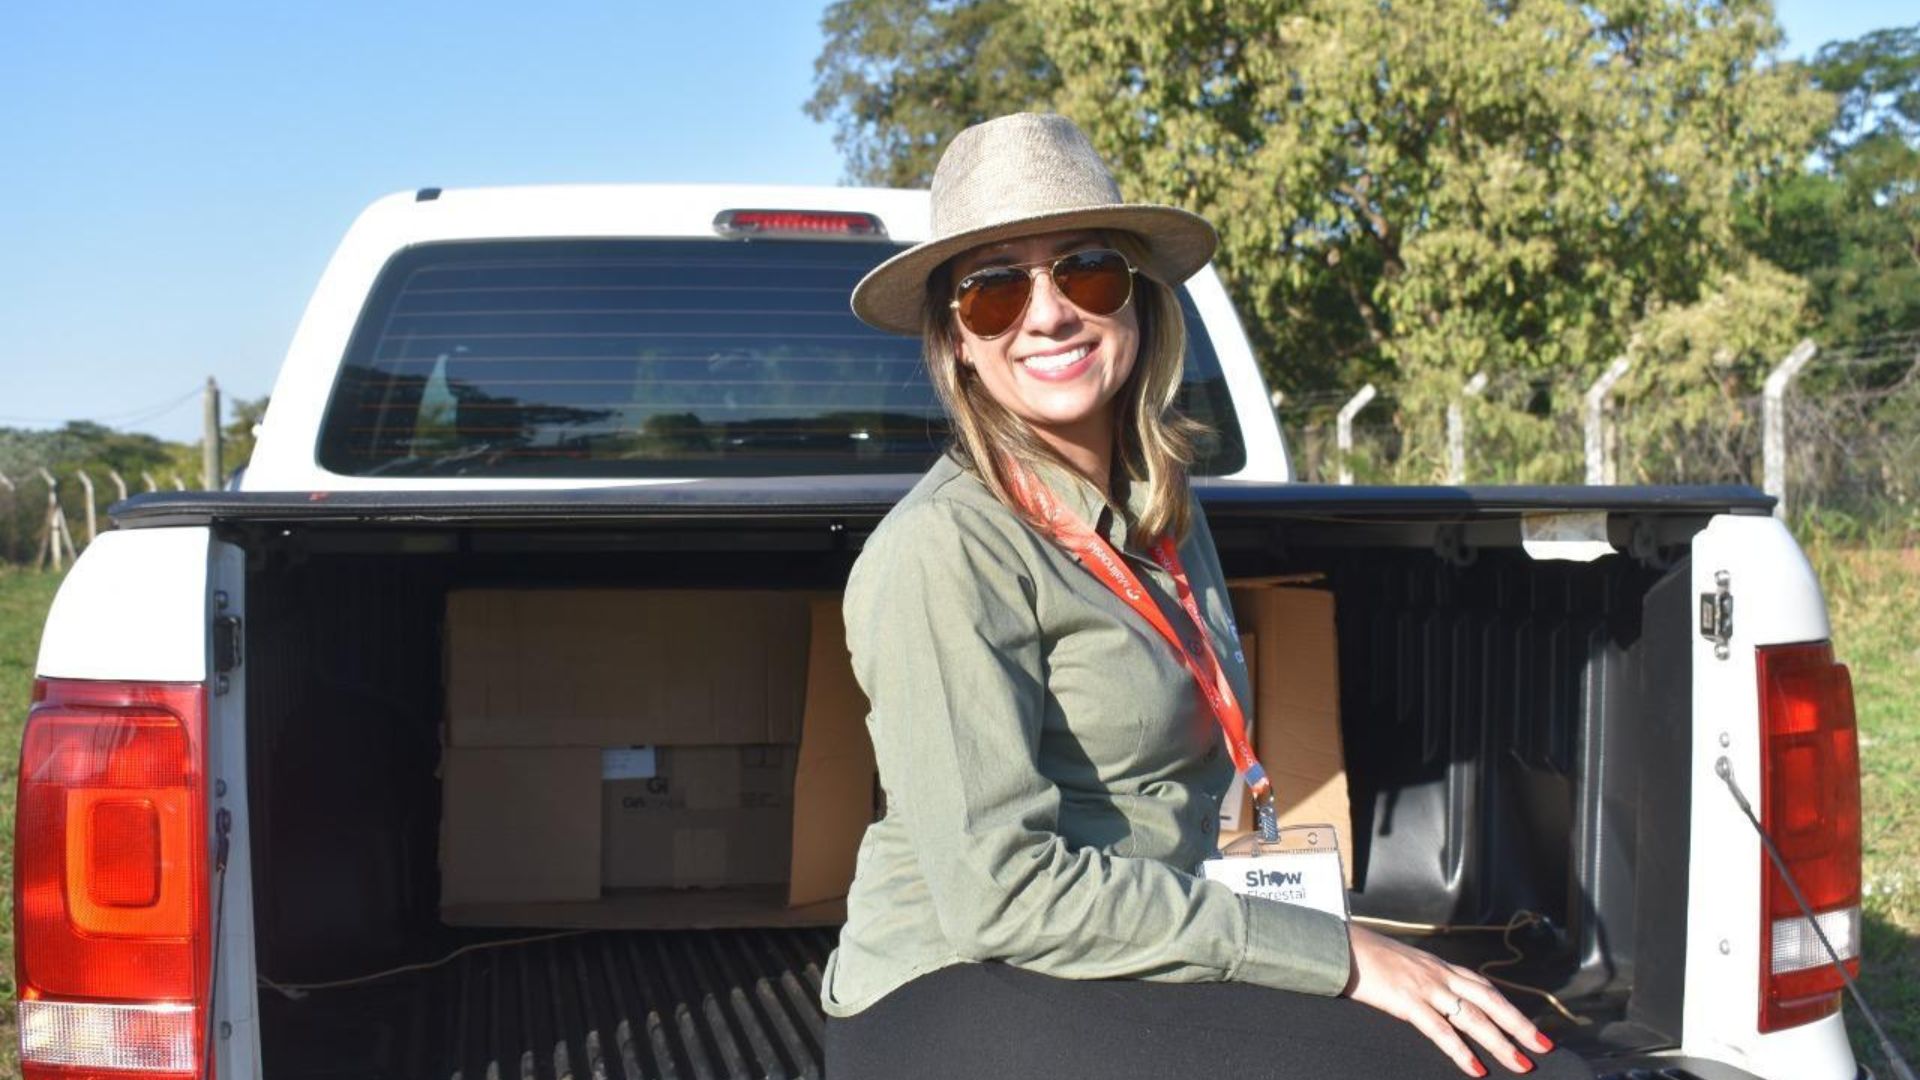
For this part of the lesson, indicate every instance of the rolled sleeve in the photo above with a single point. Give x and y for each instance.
(1294, 948)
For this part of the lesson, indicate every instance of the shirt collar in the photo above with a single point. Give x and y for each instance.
(1079, 495)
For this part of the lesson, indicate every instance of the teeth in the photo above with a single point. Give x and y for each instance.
(1057, 360)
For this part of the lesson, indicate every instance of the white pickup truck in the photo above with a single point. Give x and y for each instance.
(229, 790)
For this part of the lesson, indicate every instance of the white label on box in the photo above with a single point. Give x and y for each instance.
(628, 763)
(1308, 878)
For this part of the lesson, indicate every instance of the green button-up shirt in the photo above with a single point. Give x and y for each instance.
(1052, 774)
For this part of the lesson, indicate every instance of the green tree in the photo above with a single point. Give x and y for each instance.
(1413, 192)
(237, 435)
(1850, 222)
(1410, 192)
(899, 78)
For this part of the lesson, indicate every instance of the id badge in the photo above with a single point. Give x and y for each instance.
(1302, 867)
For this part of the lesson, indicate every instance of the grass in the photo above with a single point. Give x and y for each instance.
(1873, 593)
(24, 597)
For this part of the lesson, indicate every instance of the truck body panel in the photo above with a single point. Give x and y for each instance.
(1777, 601)
(132, 608)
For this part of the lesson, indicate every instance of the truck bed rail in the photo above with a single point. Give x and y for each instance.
(742, 500)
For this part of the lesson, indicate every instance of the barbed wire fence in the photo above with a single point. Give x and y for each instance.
(1843, 422)
(1833, 431)
(49, 513)
(54, 496)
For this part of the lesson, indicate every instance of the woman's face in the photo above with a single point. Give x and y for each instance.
(1058, 368)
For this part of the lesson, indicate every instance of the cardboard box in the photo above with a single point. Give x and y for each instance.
(1295, 665)
(520, 824)
(687, 831)
(619, 667)
(709, 816)
(836, 787)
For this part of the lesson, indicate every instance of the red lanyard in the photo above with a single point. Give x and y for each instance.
(1106, 565)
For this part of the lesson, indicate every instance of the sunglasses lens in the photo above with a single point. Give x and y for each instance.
(1098, 282)
(991, 299)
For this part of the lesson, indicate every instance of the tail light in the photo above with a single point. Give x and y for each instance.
(111, 926)
(1810, 800)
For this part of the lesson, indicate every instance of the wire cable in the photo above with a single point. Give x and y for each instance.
(1724, 770)
(130, 416)
(296, 991)
(1521, 919)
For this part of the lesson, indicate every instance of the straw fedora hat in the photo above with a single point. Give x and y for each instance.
(1021, 175)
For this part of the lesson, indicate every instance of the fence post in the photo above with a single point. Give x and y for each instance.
(152, 484)
(58, 542)
(1343, 438)
(93, 520)
(1596, 425)
(1457, 428)
(119, 483)
(7, 483)
(210, 438)
(1774, 410)
(178, 484)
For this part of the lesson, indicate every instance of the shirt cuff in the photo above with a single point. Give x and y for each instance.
(1294, 948)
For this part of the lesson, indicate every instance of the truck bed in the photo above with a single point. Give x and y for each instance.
(622, 1005)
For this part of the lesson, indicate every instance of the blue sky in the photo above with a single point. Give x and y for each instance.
(176, 175)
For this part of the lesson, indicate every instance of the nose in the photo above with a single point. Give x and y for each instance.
(1047, 310)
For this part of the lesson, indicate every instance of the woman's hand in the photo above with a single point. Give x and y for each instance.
(1442, 1000)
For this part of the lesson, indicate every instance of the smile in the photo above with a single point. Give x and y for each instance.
(1060, 363)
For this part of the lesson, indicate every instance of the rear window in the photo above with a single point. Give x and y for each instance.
(654, 358)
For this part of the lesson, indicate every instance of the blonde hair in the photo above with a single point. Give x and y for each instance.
(1153, 442)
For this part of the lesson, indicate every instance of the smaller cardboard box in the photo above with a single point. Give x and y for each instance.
(708, 817)
(519, 825)
(836, 786)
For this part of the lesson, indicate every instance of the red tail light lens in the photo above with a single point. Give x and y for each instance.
(1810, 802)
(826, 223)
(111, 880)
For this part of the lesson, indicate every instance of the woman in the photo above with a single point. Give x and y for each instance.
(1028, 903)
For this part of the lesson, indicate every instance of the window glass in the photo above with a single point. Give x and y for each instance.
(651, 358)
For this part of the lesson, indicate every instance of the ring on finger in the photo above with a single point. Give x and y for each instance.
(1452, 1012)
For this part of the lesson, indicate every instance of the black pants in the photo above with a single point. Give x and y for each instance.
(1001, 1023)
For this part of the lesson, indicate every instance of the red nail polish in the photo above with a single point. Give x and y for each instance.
(1524, 1065)
(1479, 1069)
(1543, 1044)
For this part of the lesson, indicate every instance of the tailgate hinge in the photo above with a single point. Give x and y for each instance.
(1716, 615)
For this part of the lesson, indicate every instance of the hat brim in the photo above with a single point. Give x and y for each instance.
(892, 296)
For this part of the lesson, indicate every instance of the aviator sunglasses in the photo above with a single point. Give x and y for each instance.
(989, 301)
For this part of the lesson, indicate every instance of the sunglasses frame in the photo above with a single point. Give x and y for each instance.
(1033, 269)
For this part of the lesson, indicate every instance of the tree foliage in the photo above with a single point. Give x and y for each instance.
(899, 78)
(237, 436)
(1850, 224)
(1409, 192)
